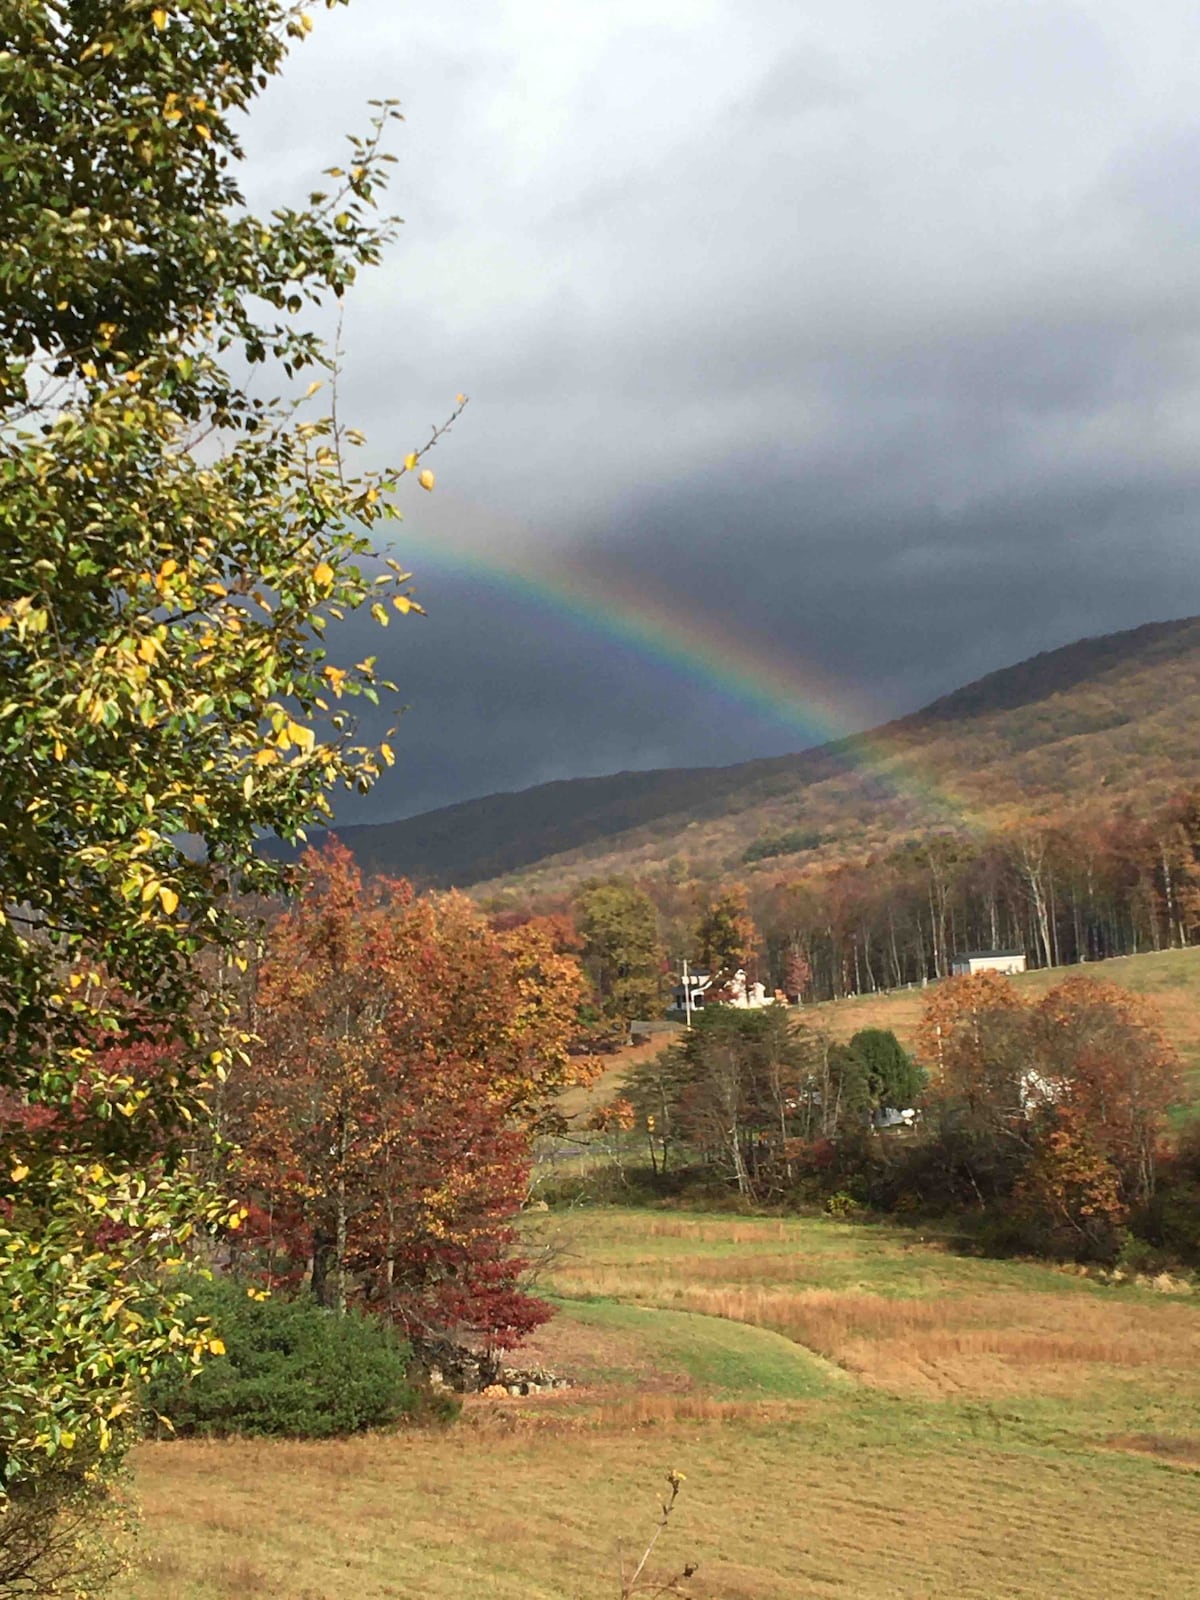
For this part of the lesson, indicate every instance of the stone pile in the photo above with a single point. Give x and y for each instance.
(451, 1366)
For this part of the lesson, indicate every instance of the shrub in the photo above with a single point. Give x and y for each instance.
(290, 1368)
(66, 1532)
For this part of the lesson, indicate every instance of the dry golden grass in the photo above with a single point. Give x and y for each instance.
(948, 1428)
(770, 1512)
(1000, 1343)
(579, 1102)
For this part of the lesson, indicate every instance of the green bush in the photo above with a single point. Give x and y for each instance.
(290, 1368)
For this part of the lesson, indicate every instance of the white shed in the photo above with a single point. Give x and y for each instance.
(972, 961)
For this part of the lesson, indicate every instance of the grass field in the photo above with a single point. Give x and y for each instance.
(859, 1414)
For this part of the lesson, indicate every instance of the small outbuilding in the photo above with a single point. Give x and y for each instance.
(972, 961)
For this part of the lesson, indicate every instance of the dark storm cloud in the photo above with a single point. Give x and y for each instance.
(874, 329)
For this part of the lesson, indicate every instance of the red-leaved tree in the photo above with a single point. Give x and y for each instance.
(407, 1053)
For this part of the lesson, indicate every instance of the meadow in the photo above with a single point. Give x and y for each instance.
(1169, 978)
(857, 1410)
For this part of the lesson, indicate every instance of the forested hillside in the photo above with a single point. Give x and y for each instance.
(1103, 723)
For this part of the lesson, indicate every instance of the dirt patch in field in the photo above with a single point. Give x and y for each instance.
(614, 1068)
(1172, 1450)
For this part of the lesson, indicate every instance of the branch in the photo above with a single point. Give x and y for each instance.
(629, 1586)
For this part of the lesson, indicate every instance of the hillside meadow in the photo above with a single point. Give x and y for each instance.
(1168, 978)
(857, 1412)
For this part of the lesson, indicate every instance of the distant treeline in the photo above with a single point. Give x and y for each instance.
(1073, 888)
(1076, 889)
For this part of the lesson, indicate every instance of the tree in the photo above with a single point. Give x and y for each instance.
(1057, 1106)
(975, 1035)
(171, 554)
(1111, 1067)
(621, 952)
(1069, 1191)
(743, 1088)
(893, 1078)
(407, 1052)
(726, 938)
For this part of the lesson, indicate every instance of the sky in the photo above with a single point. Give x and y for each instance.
(821, 358)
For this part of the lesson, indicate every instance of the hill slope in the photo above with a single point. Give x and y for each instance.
(1111, 720)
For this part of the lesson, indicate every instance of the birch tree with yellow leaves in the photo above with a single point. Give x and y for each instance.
(173, 550)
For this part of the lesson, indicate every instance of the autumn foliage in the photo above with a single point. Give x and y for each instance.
(407, 1053)
(1056, 1106)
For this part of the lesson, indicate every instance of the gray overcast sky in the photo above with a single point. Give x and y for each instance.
(873, 328)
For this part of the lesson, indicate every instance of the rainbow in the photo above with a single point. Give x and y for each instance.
(702, 648)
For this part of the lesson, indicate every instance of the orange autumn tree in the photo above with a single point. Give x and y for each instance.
(1106, 1050)
(1055, 1106)
(407, 1051)
(974, 1038)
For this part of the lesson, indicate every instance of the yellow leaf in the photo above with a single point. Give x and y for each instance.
(410, 461)
(216, 1347)
(298, 734)
(170, 900)
(149, 890)
(385, 750)
(159, 18)
(460, 399)
(18, 1173)
(147, 649)
(312, 388)
(323, 574)
(203, 131)
(426, 479)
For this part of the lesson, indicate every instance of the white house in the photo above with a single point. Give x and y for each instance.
(1006, 961)
(738, 991)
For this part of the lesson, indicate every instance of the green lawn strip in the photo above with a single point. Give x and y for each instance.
(731, 1360)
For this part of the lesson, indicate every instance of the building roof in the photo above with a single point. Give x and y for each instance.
(979, 955)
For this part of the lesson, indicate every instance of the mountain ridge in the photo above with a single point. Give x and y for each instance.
(1104, 716)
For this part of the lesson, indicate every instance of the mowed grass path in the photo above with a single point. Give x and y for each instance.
(859, 1414)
